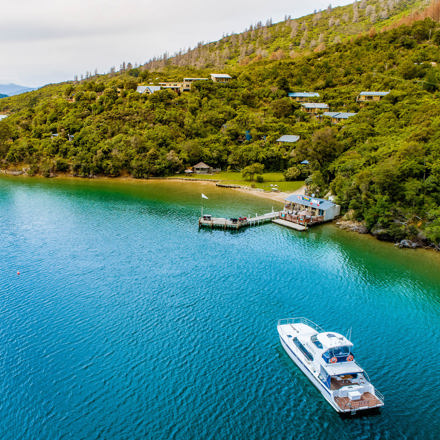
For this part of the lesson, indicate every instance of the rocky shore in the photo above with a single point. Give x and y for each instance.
(383, 234)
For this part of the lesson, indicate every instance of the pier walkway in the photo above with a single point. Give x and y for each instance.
(236, 223)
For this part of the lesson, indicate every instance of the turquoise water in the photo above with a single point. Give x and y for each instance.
(127, 322)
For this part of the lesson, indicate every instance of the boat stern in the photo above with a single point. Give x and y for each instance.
(355, 401)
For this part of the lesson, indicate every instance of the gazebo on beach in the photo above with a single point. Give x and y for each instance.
(202, 168)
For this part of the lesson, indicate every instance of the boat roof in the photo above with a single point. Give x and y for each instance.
(343, 368)
(333, 340)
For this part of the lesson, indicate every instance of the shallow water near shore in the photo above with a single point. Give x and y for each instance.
(126, 321)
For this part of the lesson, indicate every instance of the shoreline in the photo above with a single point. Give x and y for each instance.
(278, 197)
(275, 196)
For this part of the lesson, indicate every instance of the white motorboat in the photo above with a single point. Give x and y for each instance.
(326, 358)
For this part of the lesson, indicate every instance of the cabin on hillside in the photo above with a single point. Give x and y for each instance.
(303, 96)
(288, 138)
(221, 77)
(175, 86)
(314, 107)
(202, 168)
(370, 96)
(337, 117)
(188, 82)
(307, 210)
(149, 90)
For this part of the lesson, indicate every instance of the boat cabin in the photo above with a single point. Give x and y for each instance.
(337, 348)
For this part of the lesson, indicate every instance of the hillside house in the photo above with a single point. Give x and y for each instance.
(176, 86)
(314, 107)
(221, 77)
(187, 83)
(202, 168)
(370, 96)
(338, 116)
(303, 96)
(149, 90)
(288, 138)
(309, 210)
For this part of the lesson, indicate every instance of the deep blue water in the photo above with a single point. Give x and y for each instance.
(127, 322)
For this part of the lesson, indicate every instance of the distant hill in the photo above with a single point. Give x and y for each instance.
(13, 89)
(3, 96)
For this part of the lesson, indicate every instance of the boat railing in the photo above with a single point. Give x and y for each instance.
(379, 395)
(301, 320)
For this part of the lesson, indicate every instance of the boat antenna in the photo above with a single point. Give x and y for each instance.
(349, 334)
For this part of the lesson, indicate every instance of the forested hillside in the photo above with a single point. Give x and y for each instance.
(294, 37)
(382, 164)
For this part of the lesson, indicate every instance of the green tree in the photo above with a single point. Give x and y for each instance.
(250, 171)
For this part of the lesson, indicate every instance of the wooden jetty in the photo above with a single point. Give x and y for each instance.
(289, 224)
(207, 221)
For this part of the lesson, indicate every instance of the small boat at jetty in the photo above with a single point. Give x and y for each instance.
(326, 358)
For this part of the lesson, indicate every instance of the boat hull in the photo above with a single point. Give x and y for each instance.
(297, 336)
(316, 382)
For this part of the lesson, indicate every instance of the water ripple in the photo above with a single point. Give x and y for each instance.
(126, 322)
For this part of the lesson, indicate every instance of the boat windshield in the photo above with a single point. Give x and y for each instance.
(303, 349)
(340, 351)
(314, 339)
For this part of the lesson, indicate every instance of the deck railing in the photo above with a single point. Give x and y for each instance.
(301, 320)
(379, 395)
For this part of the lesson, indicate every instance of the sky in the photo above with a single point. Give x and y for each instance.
(47, 41)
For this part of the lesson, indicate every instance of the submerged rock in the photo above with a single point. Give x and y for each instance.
(408, 244)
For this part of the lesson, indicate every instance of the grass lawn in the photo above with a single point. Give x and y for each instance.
(230, 177)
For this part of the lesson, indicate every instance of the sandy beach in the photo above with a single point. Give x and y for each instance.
(270, 195)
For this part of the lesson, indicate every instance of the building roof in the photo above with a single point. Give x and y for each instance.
(221, 75)
(194, 79)
(153, 89)
(201, 165)
(150, 89)
(304, 95)
(373, 93)
(339, 115)
(288, 138)
(310, 201)
(314, 105)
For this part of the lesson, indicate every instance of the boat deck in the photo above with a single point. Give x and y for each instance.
(338, 384)
(367, 400)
